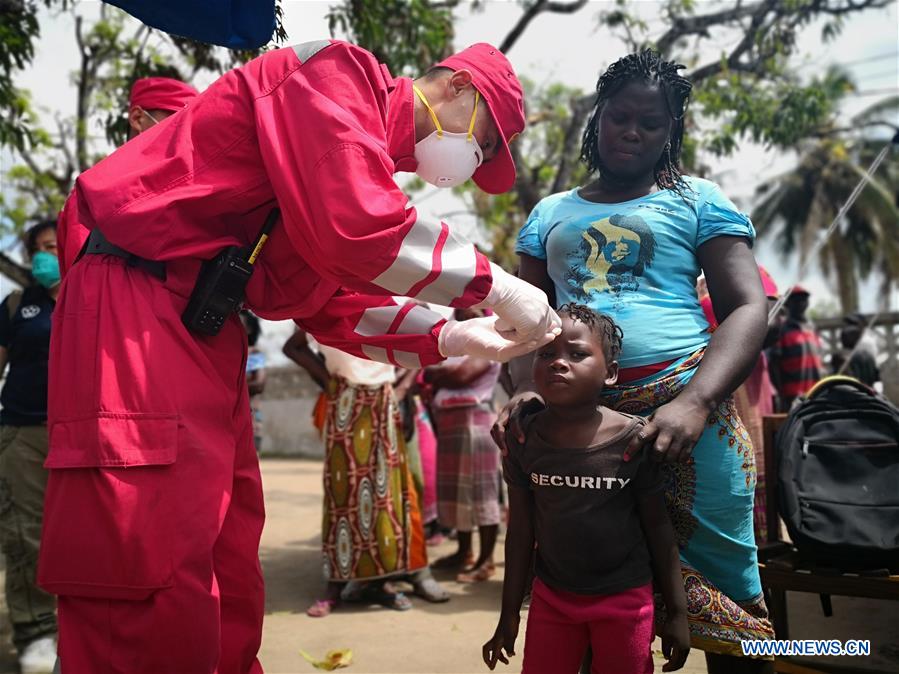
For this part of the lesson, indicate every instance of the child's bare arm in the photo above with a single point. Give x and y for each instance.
(519, 548)
(519, 555)
(663, 549)
(662, 543)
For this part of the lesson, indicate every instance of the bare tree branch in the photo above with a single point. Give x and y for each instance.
(564, 7)
(633, 44)
(79, 40)
(538, 7)
(683, 26)
(750, 40)
(525, 187)
(81, 100)
(580, 108)
(836, 131)
(848, 7)
(539, 118)
(14, 271)
(60, 181)
(140, 50)
(63, 145)
(92, 57)
(712, 69)
(693, 25)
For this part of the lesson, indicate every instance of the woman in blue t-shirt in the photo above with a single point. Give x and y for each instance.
(631, 244)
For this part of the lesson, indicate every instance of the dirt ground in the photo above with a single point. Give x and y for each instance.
(446, 638)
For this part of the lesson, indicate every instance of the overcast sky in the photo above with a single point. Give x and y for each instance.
(570, 49)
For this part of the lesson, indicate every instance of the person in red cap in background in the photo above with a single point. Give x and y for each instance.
(796, 360)
(755, 397)
(152, 100)
(154, 503)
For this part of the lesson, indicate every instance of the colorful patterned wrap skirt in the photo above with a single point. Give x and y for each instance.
(372, 524)
(710, 500)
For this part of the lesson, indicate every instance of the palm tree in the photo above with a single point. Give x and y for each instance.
(796, 206)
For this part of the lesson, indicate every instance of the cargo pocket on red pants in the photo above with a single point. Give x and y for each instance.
(109, 509)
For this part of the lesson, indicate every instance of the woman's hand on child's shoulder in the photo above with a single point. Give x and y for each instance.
(671, 432)
(509, 420)
(675, 642)
(503, 640)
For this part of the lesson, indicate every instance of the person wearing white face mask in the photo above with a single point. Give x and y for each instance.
(446, 158)
(456, 139)
(316, 132)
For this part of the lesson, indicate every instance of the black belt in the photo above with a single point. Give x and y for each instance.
(97, 244)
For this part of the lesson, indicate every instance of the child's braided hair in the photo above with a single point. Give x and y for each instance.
(600, 324)
(645, 66)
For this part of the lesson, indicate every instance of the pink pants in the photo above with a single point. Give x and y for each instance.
(561, 625)
(154, 506)
(427, 447)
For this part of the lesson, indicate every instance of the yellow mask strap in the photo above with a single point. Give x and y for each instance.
(474, 114)
(430, 110)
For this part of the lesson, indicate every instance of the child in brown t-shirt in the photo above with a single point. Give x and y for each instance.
(599, 522)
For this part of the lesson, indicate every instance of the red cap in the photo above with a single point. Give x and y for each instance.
(799, 290)
(161, 93)
(768, 283)
(493, 77)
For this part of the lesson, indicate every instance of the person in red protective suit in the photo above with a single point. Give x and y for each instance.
(152, 100)
(154, 503)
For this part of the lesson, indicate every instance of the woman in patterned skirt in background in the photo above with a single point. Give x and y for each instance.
(371, 528)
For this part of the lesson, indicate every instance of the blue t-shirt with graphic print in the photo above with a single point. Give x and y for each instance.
(635, 261)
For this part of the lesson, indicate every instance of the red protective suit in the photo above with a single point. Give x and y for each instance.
(154, 503)
(149, 93)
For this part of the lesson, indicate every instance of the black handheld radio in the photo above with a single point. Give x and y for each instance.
(219, 291)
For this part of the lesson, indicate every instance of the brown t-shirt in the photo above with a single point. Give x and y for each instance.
(589, 538)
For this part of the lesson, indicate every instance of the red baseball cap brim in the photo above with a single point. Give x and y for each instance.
(492, 75)
(497, 176)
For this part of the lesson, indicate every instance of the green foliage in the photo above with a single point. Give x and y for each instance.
(36, 197)
(115, 50)
(408, 35)
(18, 30)
(768, 111)
(824, 308)
(749, 93)
(797, 206)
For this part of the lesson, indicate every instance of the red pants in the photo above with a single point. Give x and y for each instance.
(561, 625)
(154, 506)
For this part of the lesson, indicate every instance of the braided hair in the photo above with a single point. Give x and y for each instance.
(646, 66)
(600, 325)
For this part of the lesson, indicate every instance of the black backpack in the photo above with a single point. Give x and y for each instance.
(838, 477)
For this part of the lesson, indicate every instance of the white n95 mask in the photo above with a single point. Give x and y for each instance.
(445, 158)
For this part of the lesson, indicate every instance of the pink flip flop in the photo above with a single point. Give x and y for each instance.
(321, 608)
